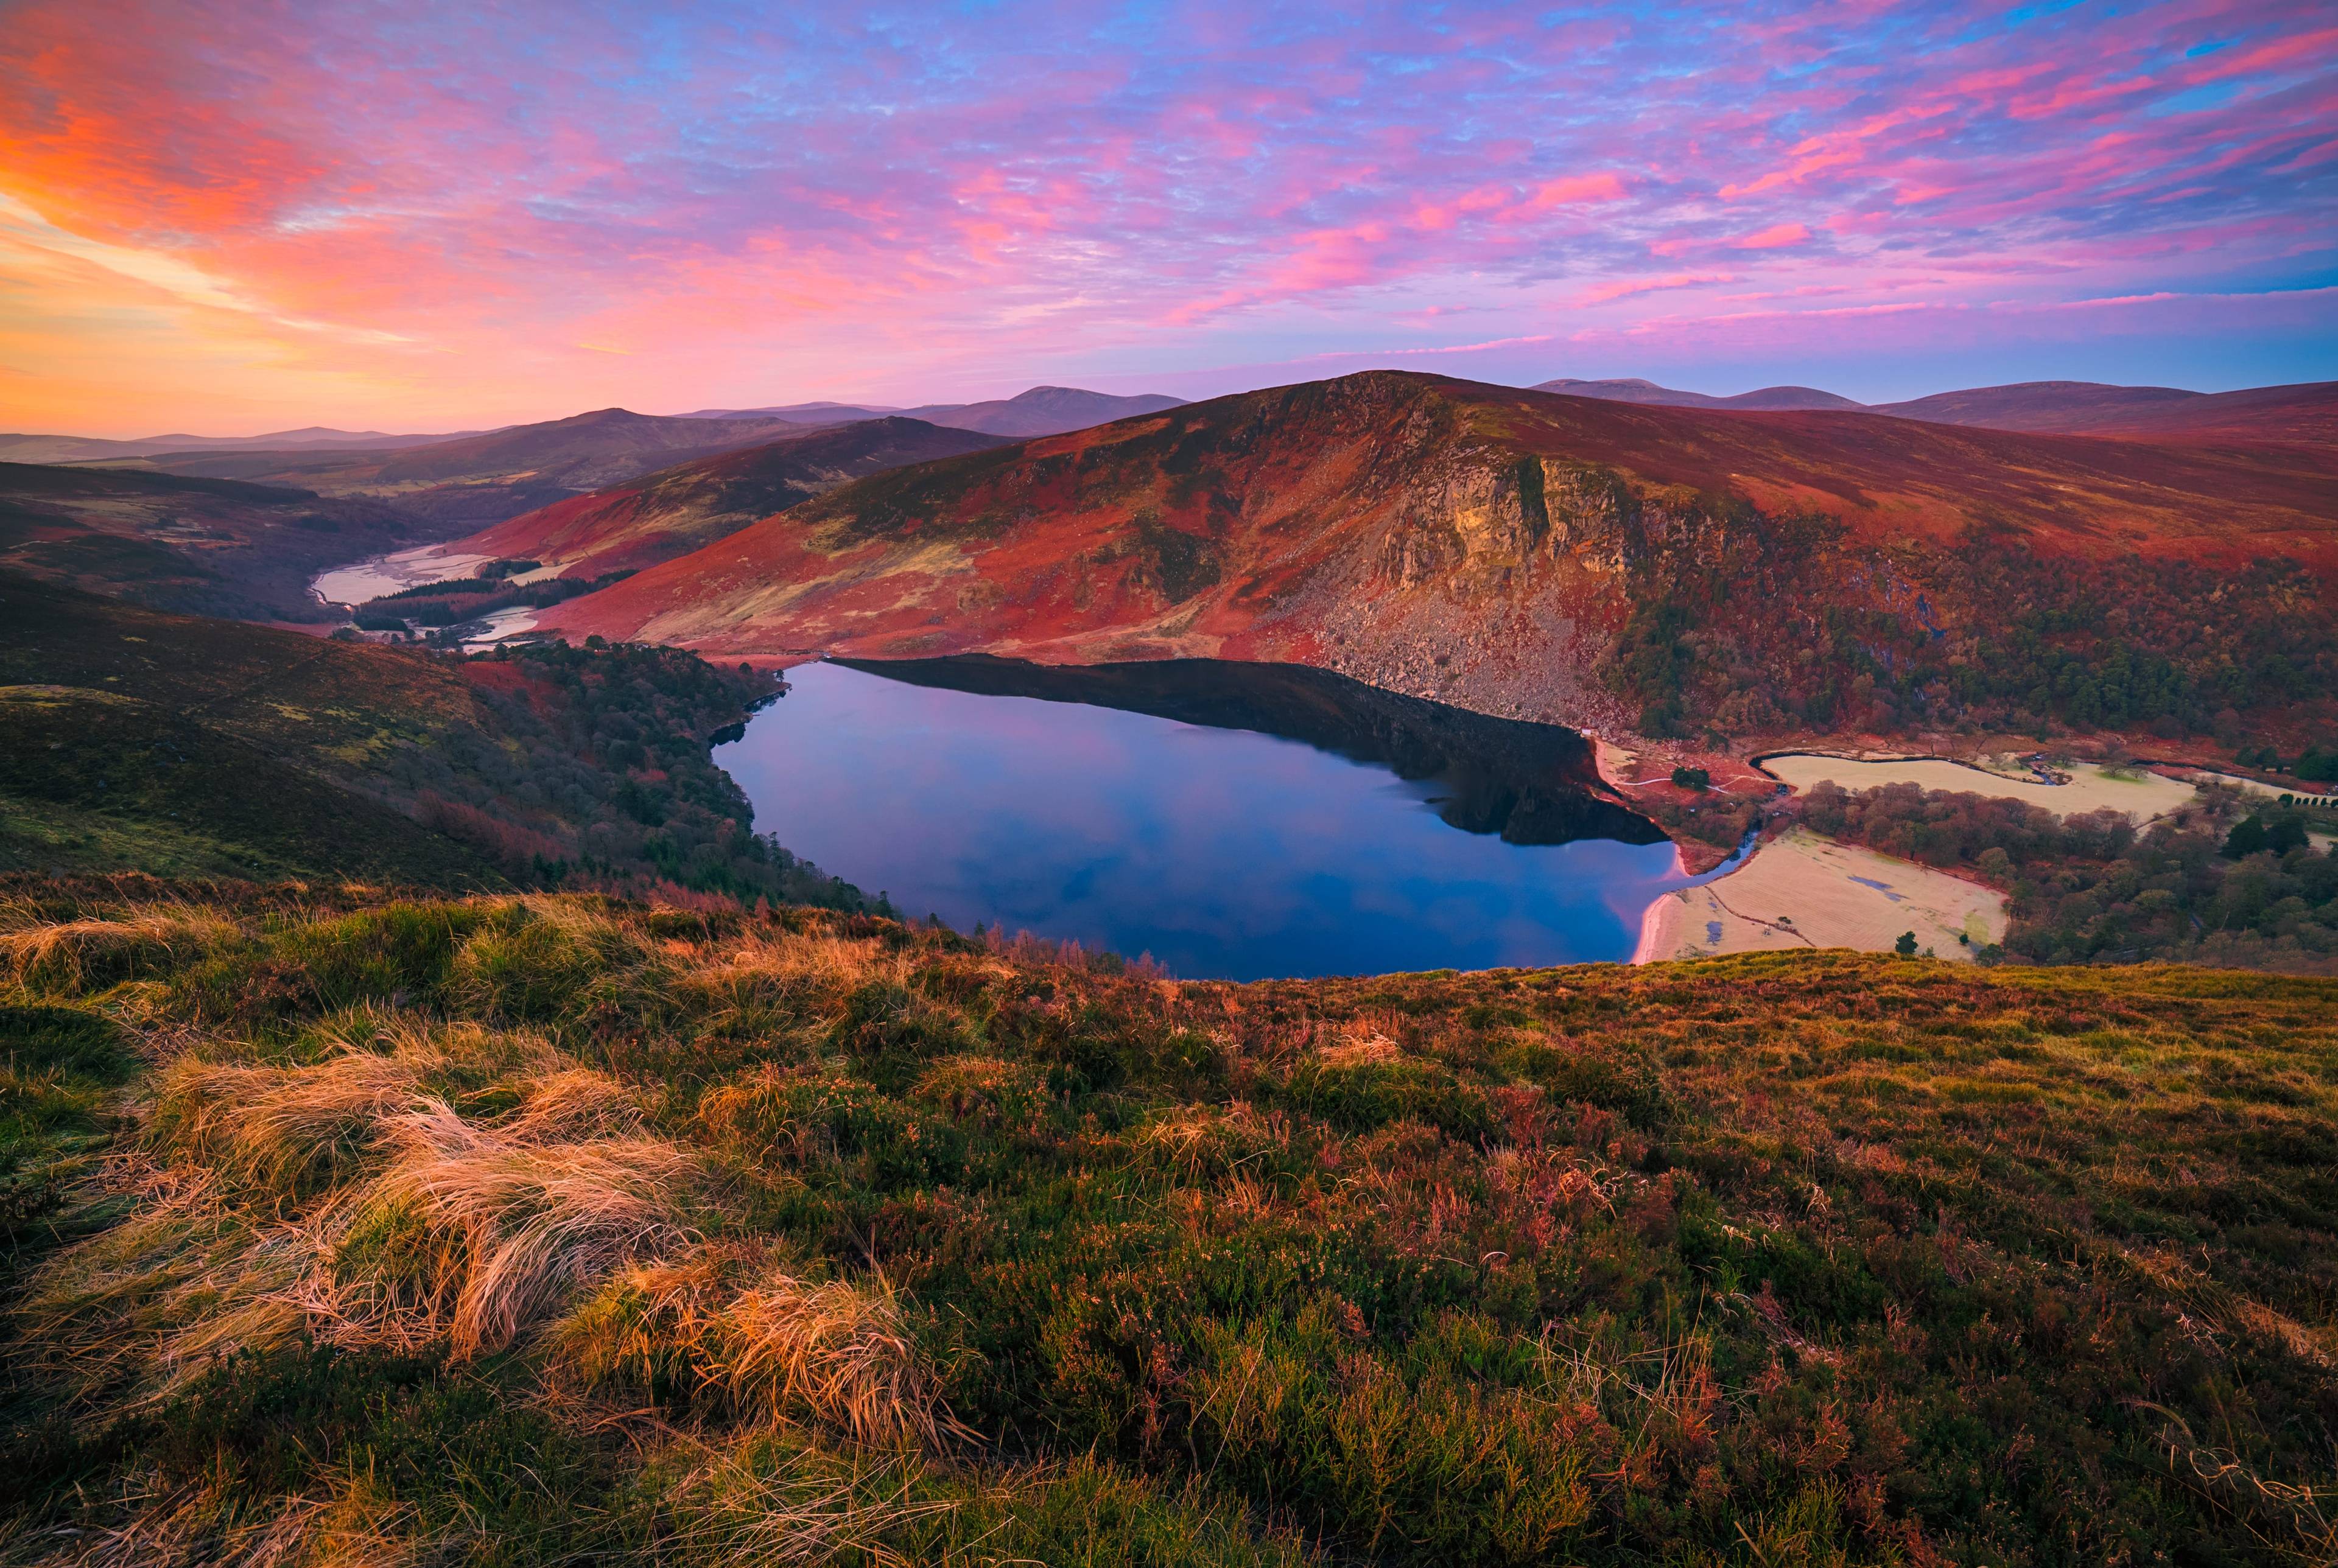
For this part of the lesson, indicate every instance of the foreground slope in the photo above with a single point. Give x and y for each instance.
(552, 1231)
(1554, 557)
(679, 509)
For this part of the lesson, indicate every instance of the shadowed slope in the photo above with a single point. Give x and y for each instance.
(676, 511)
(483, 479)
(211, 546)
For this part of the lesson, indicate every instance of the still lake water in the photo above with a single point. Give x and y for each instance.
(1222, 852)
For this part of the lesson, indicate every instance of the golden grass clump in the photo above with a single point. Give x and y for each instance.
(140, 1310)
(282, 1127)
(768, 1347)
(480, 1230)
(782, 984)
(767, 1499)
(356, 1524)
(74, 956)
(569, 1103)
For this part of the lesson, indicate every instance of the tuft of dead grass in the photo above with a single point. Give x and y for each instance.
(140, 1310)
(284, 1128)
(478, 1230)
(767, 1500)
(77, 956)
(768, 1347)
(354, 1525)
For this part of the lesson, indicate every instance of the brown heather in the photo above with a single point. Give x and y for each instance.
(350, 1229)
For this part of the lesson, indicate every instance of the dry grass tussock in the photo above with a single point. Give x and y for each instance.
(88, 955)
(475, 1232)
(768, 1347)
(1359, 1045)
(778, 963)
(281, 1127)
(766, 1500)
(341, 1200)
(138, 1311)
(355, 1525)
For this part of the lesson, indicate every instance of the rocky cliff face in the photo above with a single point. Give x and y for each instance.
(1521, 553)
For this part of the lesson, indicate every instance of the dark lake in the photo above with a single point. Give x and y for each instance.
(1235, 821)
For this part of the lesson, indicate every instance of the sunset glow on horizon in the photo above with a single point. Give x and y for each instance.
(235, 218)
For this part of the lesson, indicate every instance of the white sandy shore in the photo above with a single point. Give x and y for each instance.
(1801, 890)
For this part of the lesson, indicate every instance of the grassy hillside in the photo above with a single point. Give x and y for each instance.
(523, 1232)
(132, 739)
(205, 546)
(1671, 571)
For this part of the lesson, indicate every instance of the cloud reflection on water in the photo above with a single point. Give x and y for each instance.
(1224, 853)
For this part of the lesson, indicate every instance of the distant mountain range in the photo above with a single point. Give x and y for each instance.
(20, 448)
(1648, 392)
(1041, 411)
(477, 480)
(2305, 412)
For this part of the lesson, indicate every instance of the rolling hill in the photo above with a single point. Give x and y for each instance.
(483, 479)
(209, 546)
(679, 509)
(184, 746)
(1040, 411)
(23, 448)
(1634, 390)
(1587, 562)
(2306, 413)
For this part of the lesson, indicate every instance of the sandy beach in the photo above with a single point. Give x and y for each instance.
(1801, 890)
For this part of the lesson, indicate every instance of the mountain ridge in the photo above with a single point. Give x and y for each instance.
(1488, 545)
(678, 509)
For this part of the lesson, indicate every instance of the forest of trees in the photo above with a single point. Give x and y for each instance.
(597, 772)
(2215, 885)
(1777, 627)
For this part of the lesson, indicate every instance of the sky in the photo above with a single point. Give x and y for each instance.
(233, 218)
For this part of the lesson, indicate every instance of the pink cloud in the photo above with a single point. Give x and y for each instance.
(1624, 289)
(1774, 238)
(346, 214)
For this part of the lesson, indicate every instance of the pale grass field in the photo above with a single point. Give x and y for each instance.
(2143, 796)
